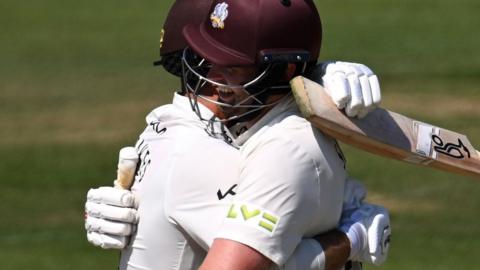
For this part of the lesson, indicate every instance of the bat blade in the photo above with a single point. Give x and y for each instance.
(388, 134)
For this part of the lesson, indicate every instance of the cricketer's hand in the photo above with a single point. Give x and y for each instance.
(110, 217)
(353, 87)
(368, 229)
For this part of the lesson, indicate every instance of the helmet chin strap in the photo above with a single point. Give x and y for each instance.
(238, 129)
(262, 97)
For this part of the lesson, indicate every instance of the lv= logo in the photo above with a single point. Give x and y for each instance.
(253, 216)
(457, 151)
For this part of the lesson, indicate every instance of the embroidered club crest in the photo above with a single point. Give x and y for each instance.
(219, 14)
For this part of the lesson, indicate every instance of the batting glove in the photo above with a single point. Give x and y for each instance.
(368, 229)
(110, 217)
(353, 87)
(354, 194)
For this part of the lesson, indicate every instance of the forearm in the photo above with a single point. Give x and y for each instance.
(336, 247)
(230, 255)
(327, 251)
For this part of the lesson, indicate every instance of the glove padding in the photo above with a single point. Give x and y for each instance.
(353, 87)
(107, 241)
(354, 194)
(110, 217)
(368, 229)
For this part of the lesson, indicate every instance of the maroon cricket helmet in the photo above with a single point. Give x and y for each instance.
(257, 32)
(172, 42)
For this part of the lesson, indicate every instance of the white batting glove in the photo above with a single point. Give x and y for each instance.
(353, 87)
(368, 229)
(110, 217)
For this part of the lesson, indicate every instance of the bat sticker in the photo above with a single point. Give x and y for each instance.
(450, 149)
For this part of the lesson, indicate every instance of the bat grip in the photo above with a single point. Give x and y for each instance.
(127, 165)
(125, 174)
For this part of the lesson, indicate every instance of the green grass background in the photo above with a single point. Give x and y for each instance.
(76, 81)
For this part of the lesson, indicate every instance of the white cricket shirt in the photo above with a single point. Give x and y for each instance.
(291, 184)
(286, 182)
(184, 176)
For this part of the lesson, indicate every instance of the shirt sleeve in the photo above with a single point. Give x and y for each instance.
(278, 185)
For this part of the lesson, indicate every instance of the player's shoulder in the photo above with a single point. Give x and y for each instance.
(292, 126)
(292, 137)
(170, 119)
(287, 131)
(165, 113)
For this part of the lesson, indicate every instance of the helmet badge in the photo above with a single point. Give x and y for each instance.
(162, 34)
(219, 14)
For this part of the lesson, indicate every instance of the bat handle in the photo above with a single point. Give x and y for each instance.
(127, 165)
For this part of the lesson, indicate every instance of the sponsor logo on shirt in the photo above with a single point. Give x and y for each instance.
(157, 127)
(253, 216)
(144, 153)
(231, 191)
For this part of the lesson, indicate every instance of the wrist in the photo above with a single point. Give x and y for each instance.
(336, 247)
(356, 234)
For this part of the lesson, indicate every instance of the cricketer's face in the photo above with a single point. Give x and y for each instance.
(231, 90)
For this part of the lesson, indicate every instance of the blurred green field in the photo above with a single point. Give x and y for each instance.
(76, 81)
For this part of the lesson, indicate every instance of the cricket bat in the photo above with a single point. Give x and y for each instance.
(127, 165)
(388, 134)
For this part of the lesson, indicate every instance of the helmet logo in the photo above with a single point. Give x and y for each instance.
(219, 14)
(162, 34)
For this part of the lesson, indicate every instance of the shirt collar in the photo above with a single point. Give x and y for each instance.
(286, 104)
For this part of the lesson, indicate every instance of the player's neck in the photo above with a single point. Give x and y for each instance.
(271, 99)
